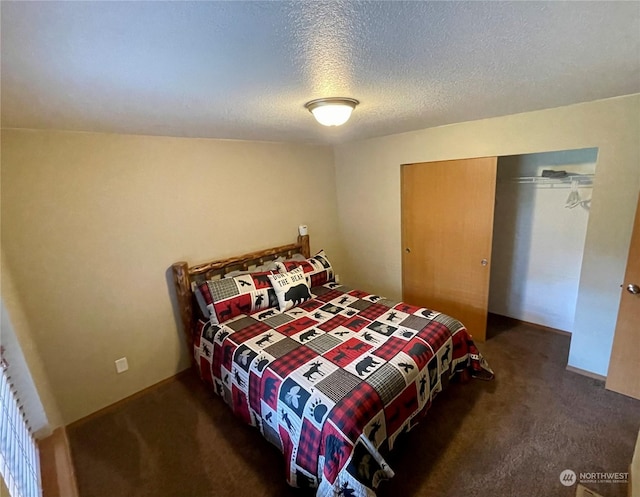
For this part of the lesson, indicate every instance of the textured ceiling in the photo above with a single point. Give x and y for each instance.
(245, 69)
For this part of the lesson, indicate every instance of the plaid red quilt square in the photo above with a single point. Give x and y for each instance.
(358, 294)
(356, 410)
(287, 447)
(240, 405)
(254, 392)
(390, 348)
(249, 332)
(458, 340)
(292, 360)
(329, 296)
(308, 447)
(319, 279)
(333, 323)
(311, 305)
(435, 334)
(206, 294)
(373, 311)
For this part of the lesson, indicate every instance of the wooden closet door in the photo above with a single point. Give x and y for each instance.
(624, 365)
(447, 228)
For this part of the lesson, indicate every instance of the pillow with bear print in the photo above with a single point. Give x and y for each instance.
(291, 288)
(317, 269)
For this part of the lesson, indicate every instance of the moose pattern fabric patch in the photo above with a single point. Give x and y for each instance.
(334, 379)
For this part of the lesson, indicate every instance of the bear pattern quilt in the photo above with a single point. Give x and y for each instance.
(333, 380)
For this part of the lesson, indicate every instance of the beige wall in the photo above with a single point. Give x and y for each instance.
(42, 422)
(368, 189)
(92, 222)
(41, 406)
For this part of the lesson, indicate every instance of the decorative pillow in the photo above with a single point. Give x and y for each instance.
(227, 298)
(291, 288)
(317, 269)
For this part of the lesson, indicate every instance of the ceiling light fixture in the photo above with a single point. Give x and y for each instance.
(332, 111)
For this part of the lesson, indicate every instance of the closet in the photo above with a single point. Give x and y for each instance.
(504, 235)
(540, 221)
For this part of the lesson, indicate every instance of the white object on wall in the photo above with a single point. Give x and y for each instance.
(122, 365)
(302, 230)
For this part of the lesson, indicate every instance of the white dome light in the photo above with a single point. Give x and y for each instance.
(332, 111)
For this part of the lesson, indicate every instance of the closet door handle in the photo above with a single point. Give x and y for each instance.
(484, 262)
(634, 289)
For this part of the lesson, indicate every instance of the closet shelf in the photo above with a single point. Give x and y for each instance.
(582, 180)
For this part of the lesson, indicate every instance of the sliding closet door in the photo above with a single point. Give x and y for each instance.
(447, 227)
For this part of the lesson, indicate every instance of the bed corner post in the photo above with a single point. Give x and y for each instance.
(183, 293)
(305, 249)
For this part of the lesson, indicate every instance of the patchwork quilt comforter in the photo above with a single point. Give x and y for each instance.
(333, 380)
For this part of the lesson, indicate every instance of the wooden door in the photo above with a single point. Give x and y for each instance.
(624, 365)
(447, 227)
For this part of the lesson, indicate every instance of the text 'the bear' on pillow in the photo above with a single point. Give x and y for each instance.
(291, 288)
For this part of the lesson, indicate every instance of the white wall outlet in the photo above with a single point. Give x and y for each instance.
(122, 365)
(337, 278)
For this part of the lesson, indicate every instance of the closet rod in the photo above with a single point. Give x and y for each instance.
(583, 180)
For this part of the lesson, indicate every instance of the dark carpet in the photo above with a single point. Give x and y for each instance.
(510, 437)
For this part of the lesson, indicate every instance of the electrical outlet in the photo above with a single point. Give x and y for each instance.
(122, 365)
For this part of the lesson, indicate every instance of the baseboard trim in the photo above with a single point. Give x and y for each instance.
(133, 396)
(56, 466)
(586, 373)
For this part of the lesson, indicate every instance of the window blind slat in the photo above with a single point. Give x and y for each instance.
(19, 461)
(4, 392)
(11, 434)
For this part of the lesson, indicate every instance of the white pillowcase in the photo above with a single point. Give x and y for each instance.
(291, 288)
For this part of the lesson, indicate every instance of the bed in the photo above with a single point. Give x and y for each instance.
(329, 374)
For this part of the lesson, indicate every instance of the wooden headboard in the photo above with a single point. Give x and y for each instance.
(184, 275)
